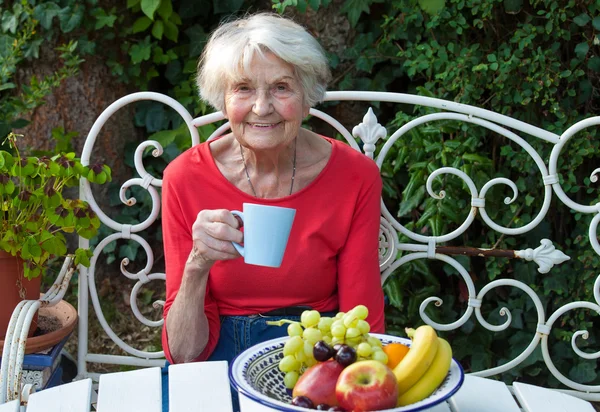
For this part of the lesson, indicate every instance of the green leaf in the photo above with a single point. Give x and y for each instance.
(70, 17)
(141, 51)
(582, 19)
(197, 38)
(149, 7)
(584, 372)
(6, 46)
(432, 7)
(104, 20)
(513, 6)
(166, 9)
(9, 23)
(582, 49)
(141, 24)
(594, 64)
(158, 29)
(354, 8)
(171, 31)
(596, 23)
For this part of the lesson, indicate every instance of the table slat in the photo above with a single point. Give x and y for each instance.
(132, 391)
(70, 397)
(480, 394)
(537, 399)
(199, 387)
(12, 406)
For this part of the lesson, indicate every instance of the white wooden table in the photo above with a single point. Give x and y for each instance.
(204, 387)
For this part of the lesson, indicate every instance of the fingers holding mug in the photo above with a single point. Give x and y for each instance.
(212, 233)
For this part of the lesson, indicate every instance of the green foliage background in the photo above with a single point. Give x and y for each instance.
(534, 60)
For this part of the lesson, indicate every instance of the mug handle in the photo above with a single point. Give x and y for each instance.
(237, 246)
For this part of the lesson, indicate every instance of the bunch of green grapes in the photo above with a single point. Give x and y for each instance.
(348, 328)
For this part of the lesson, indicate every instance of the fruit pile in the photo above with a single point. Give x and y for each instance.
(334, 364)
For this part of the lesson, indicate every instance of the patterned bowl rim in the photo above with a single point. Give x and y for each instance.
(245, 389)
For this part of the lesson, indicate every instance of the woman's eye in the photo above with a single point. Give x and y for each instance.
(242, 88)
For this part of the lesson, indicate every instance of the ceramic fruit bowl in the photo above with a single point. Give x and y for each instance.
(255, 375)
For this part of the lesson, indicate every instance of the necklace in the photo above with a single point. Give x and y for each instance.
(293, 169)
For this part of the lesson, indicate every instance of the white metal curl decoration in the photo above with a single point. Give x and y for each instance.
(388, 238)
(546, 353)
(505, 312)
(491, 126)
(438, 302)
(141, 277)
(138, 160)
(156, 304)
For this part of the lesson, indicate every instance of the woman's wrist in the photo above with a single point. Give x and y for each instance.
(196, 259)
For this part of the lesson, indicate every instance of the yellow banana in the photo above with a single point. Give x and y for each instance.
(432, 378)
(418, 359)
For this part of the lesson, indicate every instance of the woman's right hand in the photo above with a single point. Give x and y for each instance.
(212, 234)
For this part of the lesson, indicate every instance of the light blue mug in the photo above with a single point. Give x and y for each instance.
(266, 233)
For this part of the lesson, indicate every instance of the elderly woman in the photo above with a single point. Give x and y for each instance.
(264, 73)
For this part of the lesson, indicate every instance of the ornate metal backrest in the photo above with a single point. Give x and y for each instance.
(393, 253)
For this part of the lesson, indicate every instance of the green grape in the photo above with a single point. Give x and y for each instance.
(339, 315)
(312, 335)
(310, 318)
(380, 356)
(289, 364)
(352, 333)
(353, 341)
(300, 355)
(292, 345)
(325, 324)
(327, 339)
(350, 319)
(294, 329)
(373, 341)
(361, 312)
(338, 330)
(364, 349)
(363, 326)
(290, 379)
(335, 340)
(310, 362)
(308, 349)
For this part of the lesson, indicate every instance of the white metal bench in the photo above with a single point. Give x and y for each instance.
(393, 253)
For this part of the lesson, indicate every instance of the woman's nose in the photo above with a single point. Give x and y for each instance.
(262, 104)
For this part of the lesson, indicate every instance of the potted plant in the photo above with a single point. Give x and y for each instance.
(34, 218)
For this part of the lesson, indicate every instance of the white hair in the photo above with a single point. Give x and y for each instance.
(232, 46)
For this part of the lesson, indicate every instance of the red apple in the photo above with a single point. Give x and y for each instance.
(318, 383)
(367, 385)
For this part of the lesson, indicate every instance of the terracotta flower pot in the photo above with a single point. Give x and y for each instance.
(14, 288)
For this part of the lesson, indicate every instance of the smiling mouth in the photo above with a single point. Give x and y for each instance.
(263, 125)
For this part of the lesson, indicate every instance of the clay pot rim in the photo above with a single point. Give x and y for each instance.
(63, 310)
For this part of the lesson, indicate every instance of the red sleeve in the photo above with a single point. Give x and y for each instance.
(359, 280)
(177, 241)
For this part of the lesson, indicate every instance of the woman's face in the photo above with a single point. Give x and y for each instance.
(266, 108)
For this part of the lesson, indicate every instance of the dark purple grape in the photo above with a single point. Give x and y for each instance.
(303, 402)
(336, 409)
(345, 356)
(322, 351)
(338, 346)
(323, 407)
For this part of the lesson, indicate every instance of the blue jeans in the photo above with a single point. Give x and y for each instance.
(238, 333)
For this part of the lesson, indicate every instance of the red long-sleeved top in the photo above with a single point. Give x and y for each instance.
(331, 260)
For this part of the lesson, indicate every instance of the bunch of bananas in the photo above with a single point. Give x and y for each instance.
(424, 367)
